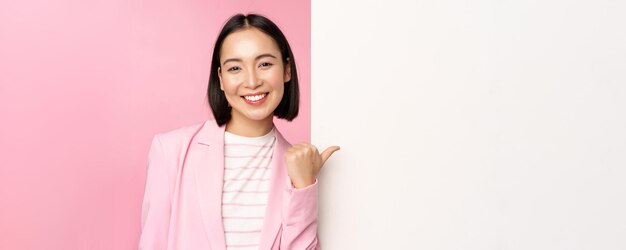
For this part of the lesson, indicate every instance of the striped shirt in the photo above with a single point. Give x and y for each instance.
(247, 172)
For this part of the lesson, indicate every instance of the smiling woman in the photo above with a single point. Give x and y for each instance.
(254, 79)
(251, 55)
(236, 183)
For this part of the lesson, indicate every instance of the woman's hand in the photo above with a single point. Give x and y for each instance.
(304, 162)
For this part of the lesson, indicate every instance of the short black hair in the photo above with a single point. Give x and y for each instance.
(288, 107)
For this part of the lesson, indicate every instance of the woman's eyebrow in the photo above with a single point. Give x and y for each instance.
(256, 58)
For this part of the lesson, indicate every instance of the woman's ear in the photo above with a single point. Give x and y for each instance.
(219, 75)
(287, 75)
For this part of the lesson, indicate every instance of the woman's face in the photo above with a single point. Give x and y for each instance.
(252, 74)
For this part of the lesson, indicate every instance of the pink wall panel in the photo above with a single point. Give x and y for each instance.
(83, 87)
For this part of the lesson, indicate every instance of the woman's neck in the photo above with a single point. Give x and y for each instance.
(241, 125)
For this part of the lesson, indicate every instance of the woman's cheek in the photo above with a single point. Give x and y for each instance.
(273, 75)
(230, 86)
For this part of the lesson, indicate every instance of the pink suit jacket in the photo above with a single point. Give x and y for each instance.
(181, 206)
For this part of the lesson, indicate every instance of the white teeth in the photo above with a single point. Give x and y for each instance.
(255, 97)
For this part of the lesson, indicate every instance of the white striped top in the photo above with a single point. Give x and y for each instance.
(247, 172)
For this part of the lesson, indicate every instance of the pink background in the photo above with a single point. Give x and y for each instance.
(85, 86)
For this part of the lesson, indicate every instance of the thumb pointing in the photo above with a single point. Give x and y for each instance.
(328, 152)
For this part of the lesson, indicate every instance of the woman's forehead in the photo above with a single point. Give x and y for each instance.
(247, 44)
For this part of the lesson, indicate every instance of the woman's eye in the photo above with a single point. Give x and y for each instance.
(233, 68)
(266, 64)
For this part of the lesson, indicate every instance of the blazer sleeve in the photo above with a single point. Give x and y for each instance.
(299, 219)
(156, 205)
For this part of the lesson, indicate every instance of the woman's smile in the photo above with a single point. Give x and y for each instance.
(255, 99)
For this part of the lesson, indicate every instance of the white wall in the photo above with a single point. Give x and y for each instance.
(471, 124)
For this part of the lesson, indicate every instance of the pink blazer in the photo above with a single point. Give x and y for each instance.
(181, 207)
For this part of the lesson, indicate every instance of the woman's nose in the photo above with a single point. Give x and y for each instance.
(252, 81)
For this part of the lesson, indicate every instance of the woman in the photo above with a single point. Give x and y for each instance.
(235, 182)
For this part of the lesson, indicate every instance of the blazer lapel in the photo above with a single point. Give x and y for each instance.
(273, 212)
(206, 157)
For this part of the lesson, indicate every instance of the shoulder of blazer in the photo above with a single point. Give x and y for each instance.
(175, 142)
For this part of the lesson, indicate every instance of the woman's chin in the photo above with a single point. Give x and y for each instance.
(258, 117)
(258, 114)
